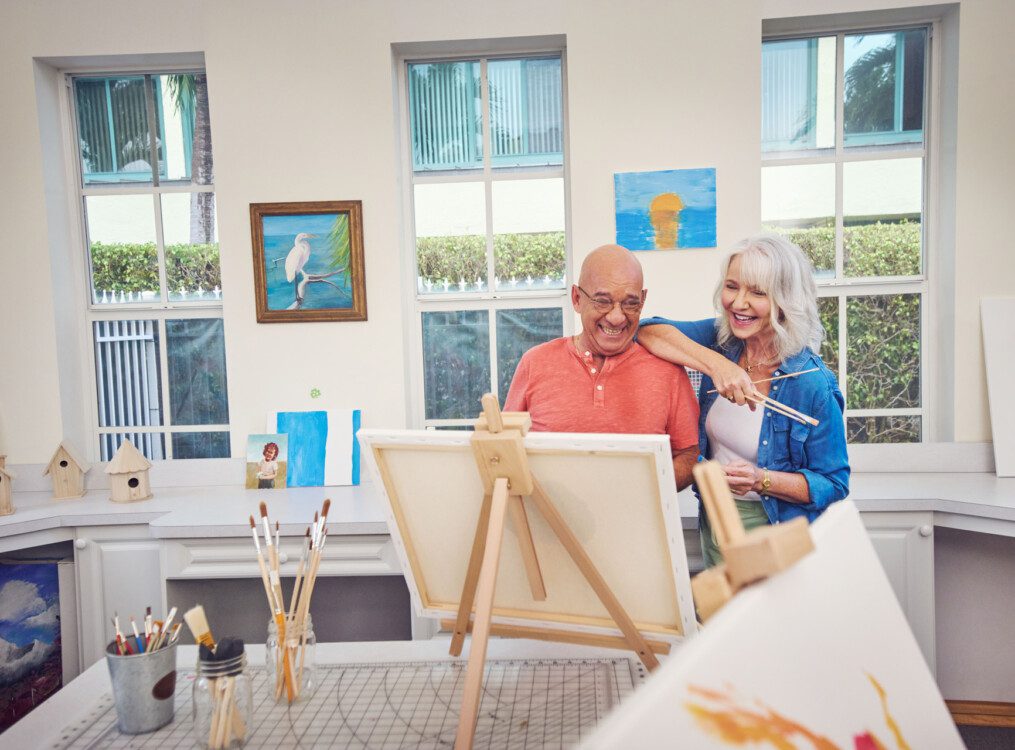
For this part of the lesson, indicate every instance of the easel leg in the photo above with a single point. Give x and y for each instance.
(520, 520)
(471, 693)
(471, 578)
(593, 576)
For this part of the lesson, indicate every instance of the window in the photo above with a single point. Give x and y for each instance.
(844, 170)
(489, 236)
(151, 245)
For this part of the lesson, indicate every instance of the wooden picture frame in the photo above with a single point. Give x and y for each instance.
(308, 261)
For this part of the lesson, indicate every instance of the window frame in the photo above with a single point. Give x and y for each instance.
(925, 284)
(415, 303)
(162, 310)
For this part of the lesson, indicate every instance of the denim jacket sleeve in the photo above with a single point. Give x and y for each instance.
(699, 331)
(827, 466)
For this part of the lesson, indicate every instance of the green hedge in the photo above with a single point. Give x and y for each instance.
(515, 255)
(124, 267)
(876, 249)
(883, 332)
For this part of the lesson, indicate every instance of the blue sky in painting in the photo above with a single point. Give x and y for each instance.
(292, 225)
(28, 591)
(634, 190)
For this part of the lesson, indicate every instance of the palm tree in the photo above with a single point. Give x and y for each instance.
(190, 93)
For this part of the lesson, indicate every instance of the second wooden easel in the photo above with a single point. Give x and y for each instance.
(503, 466)
(749, 557)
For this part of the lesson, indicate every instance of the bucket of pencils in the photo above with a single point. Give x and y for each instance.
(144, 685)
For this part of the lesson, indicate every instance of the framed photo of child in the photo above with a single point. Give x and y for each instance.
(267, 459)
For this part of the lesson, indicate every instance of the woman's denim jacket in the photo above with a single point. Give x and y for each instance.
(819, 453)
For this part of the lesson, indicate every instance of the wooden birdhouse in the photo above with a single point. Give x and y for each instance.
(67, 470)
(6, 490)
(128, 475)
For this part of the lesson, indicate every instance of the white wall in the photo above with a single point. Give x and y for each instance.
(302, 108)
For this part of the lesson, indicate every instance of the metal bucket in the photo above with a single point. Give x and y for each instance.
(144, 688)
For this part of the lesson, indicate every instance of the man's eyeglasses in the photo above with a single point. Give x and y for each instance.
(604, 304)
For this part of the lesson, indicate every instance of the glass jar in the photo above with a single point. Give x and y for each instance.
(299, 652)
(222, 703)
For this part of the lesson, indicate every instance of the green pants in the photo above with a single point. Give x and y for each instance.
(751, 513)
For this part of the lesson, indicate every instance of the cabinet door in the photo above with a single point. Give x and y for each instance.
(117, 571)
(904, 543)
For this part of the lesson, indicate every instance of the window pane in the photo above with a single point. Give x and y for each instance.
(526, 112)
(151, 444)
(201, 445)
(828, 309)
(197, 371)
(882, 210)
(190, 232)
(121, 241)
(517, 332)
(799, 202)
(444, 112)
(183, 106)
(883, 352)
(113, 130)
(883, 90)
(127, 372)
(528, 227)
(456, 363)
(894, 429)
(798, 94)
(450, 237)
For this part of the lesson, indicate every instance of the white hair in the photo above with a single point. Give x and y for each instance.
(770, 262)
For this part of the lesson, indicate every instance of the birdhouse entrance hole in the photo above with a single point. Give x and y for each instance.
(63, 464)
(132, 482)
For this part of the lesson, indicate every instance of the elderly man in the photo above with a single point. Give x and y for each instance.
(601, 380)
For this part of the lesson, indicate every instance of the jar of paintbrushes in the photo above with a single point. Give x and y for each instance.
(298, 649)
(289, 657)
(223, 696)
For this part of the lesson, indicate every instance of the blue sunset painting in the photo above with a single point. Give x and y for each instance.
(665, 210)
(306, 261)
(30, 658)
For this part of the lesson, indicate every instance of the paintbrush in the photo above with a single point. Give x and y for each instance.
(267, 535)
(198, 624)
(137, 637)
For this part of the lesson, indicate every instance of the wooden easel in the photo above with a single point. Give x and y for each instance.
(748, 557)
(504, 468)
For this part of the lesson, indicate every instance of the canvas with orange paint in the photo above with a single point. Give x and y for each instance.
(818, 657)
(665, 210)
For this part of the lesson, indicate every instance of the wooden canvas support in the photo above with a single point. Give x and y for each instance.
(503, 466)
(749, 557)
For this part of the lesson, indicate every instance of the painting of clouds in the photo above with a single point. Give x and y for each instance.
(30, 662)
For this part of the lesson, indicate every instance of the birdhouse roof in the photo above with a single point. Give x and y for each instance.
(72, 454)
(128, 459)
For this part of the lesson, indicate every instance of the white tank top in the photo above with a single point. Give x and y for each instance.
(733, 433)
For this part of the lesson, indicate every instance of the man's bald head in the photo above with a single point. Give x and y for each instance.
(612, 263)
(608, 297)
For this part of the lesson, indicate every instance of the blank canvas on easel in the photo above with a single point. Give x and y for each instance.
(616, 492)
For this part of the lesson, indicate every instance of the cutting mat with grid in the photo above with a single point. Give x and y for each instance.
(530, 703)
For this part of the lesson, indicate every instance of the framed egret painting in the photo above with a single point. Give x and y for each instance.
(308, 261)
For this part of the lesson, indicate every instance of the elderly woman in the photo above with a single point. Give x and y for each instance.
(766, 327)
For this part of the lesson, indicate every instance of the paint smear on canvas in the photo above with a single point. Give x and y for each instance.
(741, 722)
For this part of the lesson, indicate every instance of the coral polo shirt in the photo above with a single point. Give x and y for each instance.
(633, 392)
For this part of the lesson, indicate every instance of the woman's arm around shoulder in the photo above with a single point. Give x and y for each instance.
(691, 344)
